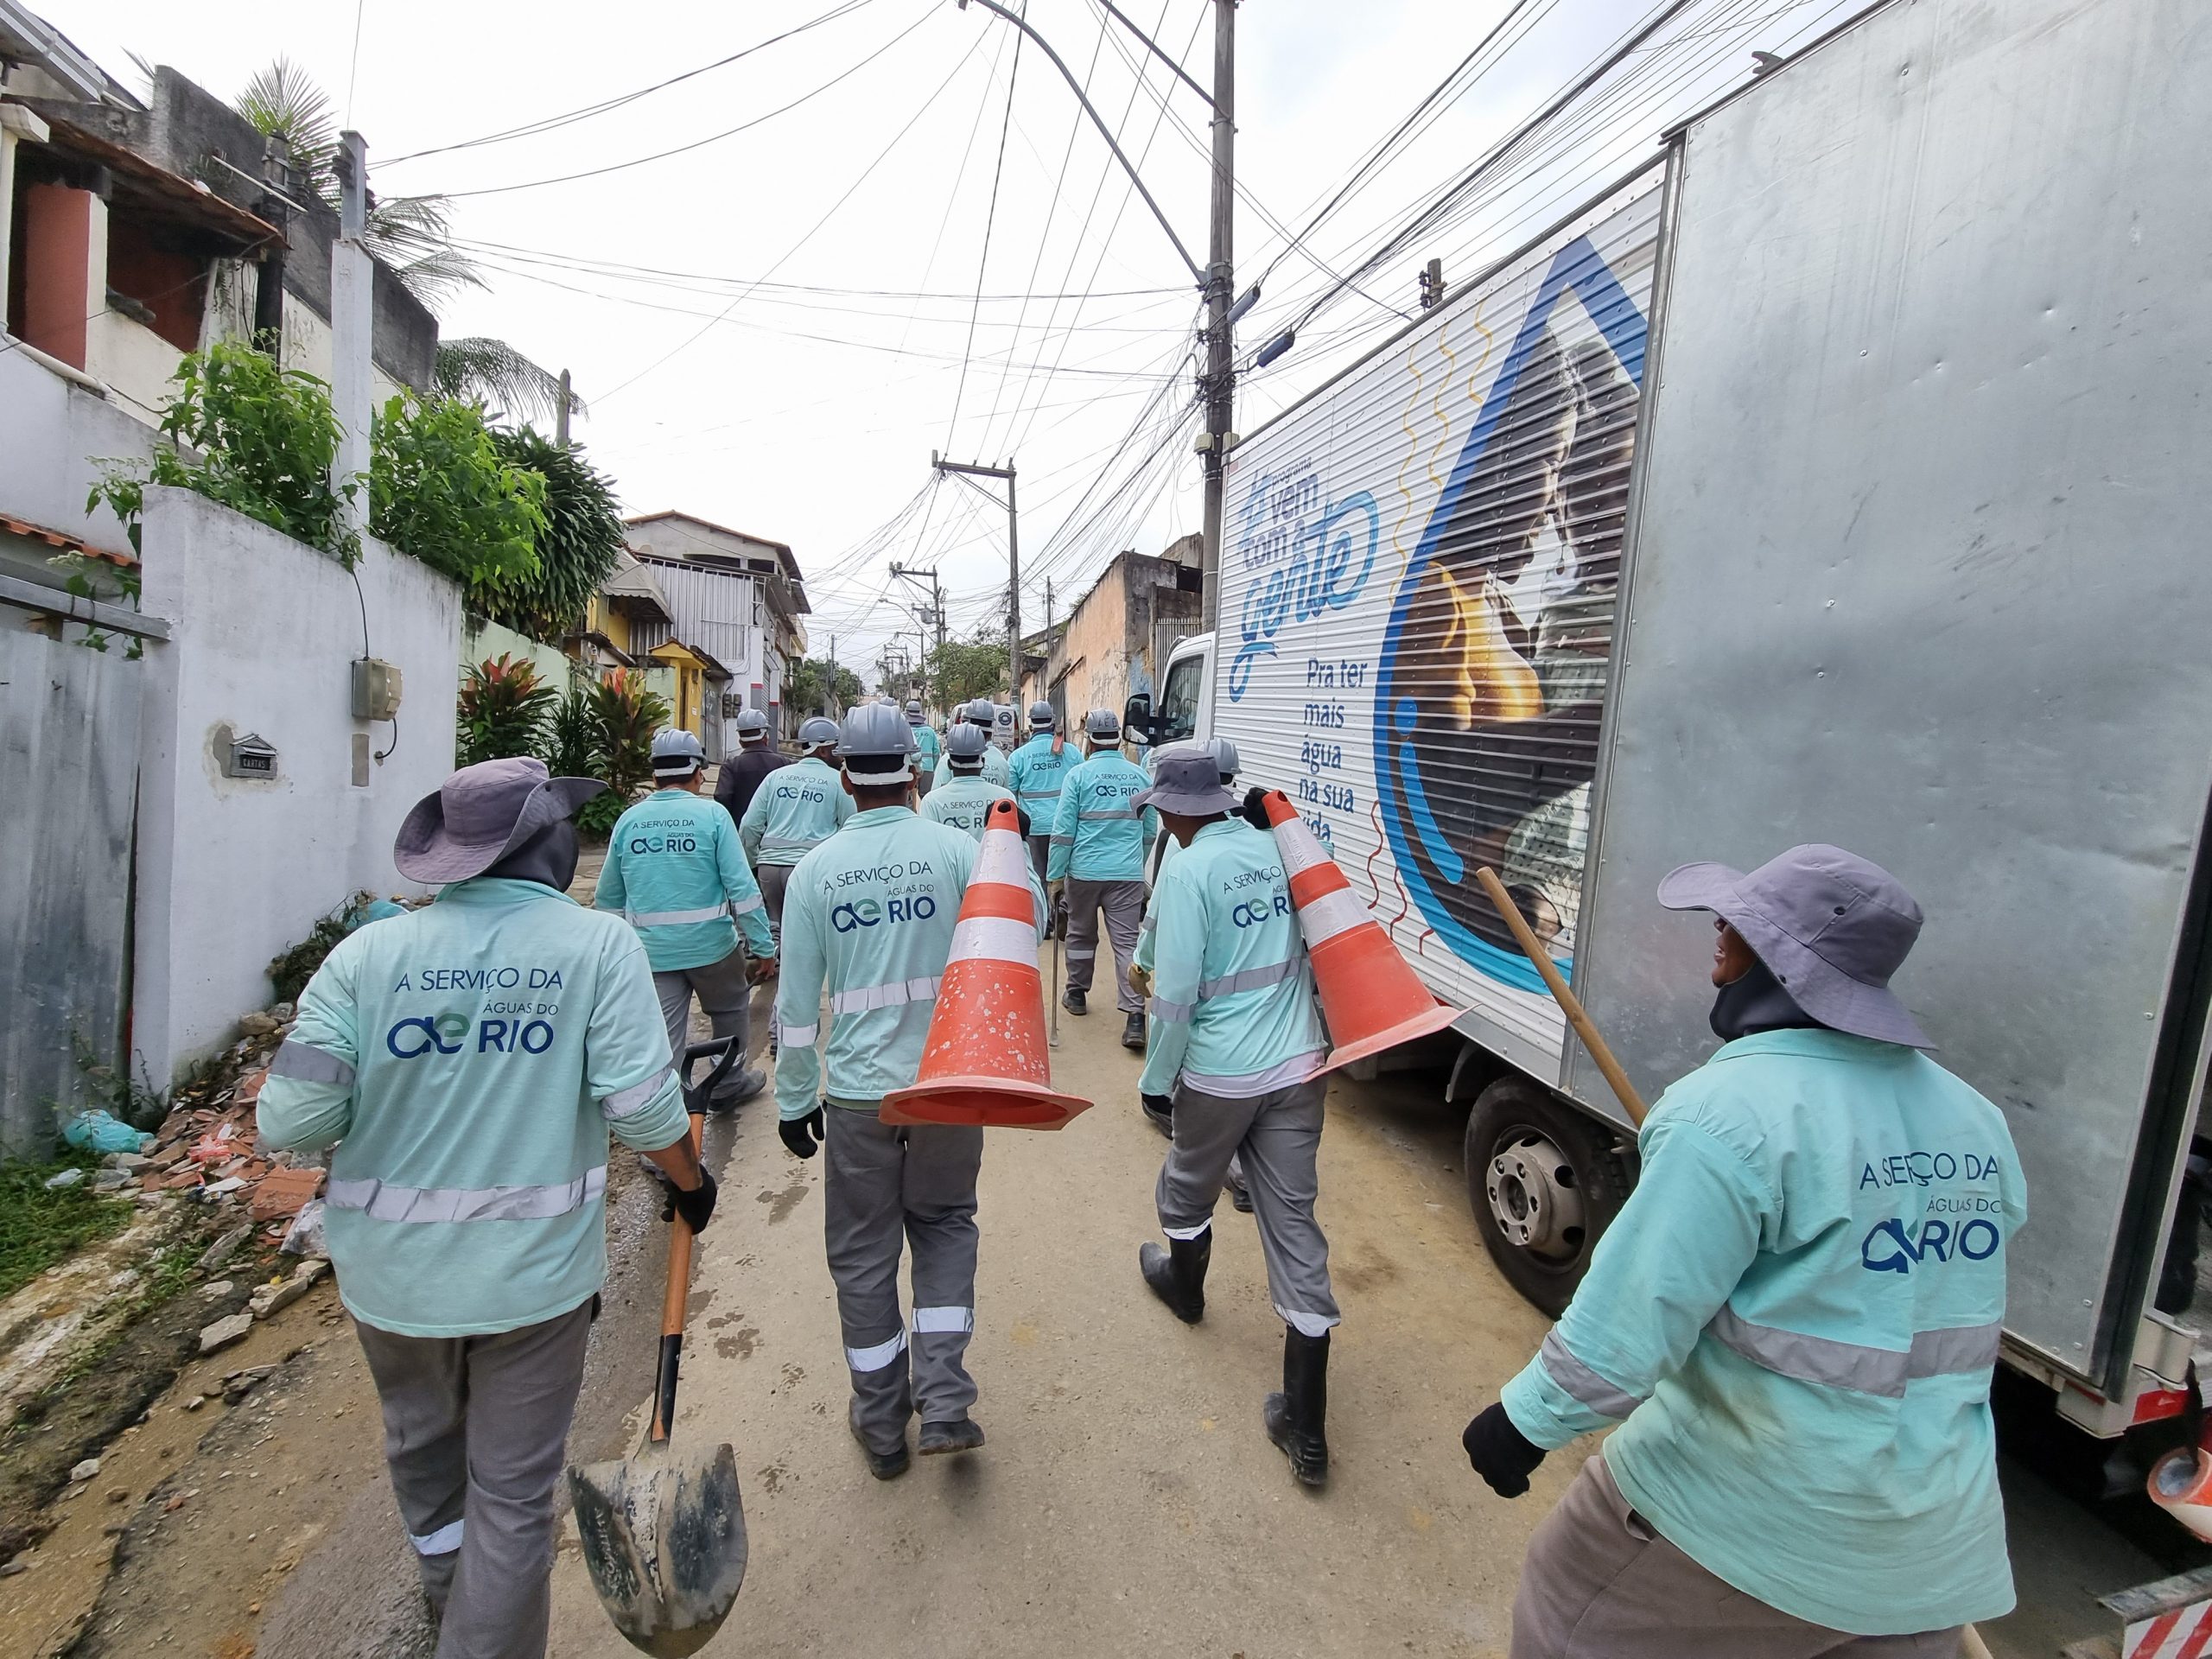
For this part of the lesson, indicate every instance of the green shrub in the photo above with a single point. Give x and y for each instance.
(569, 735)
(267, 438)
(504, 710)
(439, 491)
(577, 547)
(625, 716)
(596, 818)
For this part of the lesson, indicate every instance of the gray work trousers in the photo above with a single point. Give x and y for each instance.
(1598, 1583)
(774, 879)
(1277, 1138)
(1040, 854)
(1123, 904)
(883, 1182)
(474, 1431)
(724, 997)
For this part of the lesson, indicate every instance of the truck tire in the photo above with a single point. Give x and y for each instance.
(1545, 1180)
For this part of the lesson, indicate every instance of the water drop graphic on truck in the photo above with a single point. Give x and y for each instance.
(1491, 679)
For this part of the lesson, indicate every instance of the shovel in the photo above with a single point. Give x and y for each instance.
(664, 1532)
(1971, 1646)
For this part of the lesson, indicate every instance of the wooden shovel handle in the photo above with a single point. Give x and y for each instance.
(672, 1316)
(1632, 1103)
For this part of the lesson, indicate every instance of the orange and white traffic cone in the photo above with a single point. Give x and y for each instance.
(1371, 999)
(984, 1062)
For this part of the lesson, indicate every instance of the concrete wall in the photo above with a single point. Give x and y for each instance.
(52, 433)
(231, 871)
(481, 641)
(1119, 635)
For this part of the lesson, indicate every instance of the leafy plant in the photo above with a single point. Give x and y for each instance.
(266, 437)
(596, 818)
(493, 373)
(820, 686)
(290, 972)
(961, 670)
(626, 714)
(504, 710)
(41, 1225)
(579, 545)
(569, 735)
(440, 490)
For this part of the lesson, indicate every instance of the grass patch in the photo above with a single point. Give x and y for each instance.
(41, 1226)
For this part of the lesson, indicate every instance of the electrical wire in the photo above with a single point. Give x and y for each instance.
(990, 218)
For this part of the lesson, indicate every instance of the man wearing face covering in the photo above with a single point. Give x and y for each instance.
(1796, 1312)
(468, 1061)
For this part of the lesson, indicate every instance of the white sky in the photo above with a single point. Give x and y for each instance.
(808, 417)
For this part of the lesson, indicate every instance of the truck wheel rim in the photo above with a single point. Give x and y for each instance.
(1533, 1196)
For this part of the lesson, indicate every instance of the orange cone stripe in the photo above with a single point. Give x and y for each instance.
(994, 900)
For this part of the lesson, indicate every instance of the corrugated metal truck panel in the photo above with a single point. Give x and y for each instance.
(1418, 587)
(1919, 569)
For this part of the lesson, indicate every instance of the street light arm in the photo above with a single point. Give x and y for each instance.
(1197, 275)
(1115, 12)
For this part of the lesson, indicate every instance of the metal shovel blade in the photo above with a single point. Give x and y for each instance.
(664, 1537)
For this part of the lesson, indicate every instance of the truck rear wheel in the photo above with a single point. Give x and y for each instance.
(1545, 1181)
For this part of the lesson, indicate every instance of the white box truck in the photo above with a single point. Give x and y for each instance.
(1842, 477)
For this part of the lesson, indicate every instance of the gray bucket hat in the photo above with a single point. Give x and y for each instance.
(1830, 925)
(1187, 784)
(479, 815)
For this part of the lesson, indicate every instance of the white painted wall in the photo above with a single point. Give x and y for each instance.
(232, 871)
(52, 433)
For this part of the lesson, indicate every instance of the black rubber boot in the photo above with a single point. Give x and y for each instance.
(1132, 1032)
(938, 1438)
(1294, 1416)
(1073, 1001)
(1178, 1274)
(884, 1466)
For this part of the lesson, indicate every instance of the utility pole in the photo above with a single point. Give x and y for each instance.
(1221, 382)
(560, 419)
(353, 277)
(933, 616)
(1013, 554)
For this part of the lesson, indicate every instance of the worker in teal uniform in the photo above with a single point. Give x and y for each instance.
(981, 713)
(1097, 863)
(1796, 1313)
(1237, 1045)
(965, 802)
(676, 873)
(869, 923)
(796, 809)
(927, 748)
(1035, 774)
(467, 1062)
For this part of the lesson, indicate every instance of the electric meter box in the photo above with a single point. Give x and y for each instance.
(251, 756)
(376, 690)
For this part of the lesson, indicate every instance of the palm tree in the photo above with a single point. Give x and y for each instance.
(411, 235)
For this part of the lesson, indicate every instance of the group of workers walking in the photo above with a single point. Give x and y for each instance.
(1807, 1463)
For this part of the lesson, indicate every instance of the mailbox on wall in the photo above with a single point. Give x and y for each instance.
(250, 756)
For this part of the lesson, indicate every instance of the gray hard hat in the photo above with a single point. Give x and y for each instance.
(677, 754)
(1040, 716)
(1225, 757)
(1101, 722)
(964, 745)
(751, 726)
(981, 712)
(817, 731)
(913, 712)
(874, 742)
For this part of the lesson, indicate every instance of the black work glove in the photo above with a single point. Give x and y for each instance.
(697, 1206)
(1021, 816)
(1501, 1453)
(1254, 809)
(1158, 1105)
(803, 1134)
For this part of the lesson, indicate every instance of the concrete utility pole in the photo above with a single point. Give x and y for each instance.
(933, 617)
(1221, 377)
(560, 419)
(1013, 553)
(353, 303)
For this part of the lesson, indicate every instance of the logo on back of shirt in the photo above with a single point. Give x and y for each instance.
(1961, 1226)
(447, 1034)
(871, 913)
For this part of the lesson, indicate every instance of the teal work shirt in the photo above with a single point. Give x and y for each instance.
(676, 871)
(1097, 835)
(1035, 774)
(467, 1061)
(928, 746)
(963, 803)
(1797, 1310)
(869, 920)
(796, 809)
(995, 770)
(1232, 992)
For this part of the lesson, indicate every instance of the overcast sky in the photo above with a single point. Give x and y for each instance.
(805, 409)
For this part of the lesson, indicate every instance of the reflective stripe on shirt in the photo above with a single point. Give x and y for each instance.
(679, 918)
(790, 843)
(1584, 1384)
(382, 1202)
(1104, 815)
(798, 1036)
(308, 1064)
(638, 1096)
(1960, 1350)
(1247, 979)
(862, 998)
